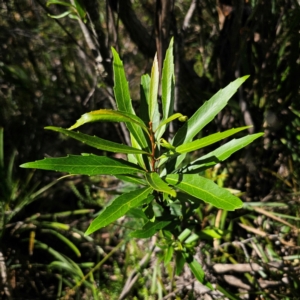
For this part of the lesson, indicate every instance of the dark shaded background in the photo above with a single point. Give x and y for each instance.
(52, 71)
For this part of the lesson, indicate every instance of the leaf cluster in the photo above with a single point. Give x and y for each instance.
(155, 163)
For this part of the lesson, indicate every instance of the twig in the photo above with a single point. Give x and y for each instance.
(134, 275)
(241, 268)
(177, 290)
(189, 14)
(3, 273)
(270, 215)
(99, 264)
(232, 280)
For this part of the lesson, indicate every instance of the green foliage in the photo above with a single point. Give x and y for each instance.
(159, 163)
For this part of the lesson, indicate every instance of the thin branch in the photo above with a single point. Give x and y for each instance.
(189, 15)
(241, 268)
(3, 274)
(134, 275)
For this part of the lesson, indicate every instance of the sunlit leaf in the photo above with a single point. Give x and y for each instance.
(220, 154)
(167, 83)
(123, 99)
(170, 119)
(144, 104)
(167, 88)
(153, 103)
(208, 140)
(109, 116)
(207, 112)
(139, 159)
(158, 184)
(85, 164)
(97, 142)
(204, 115)
(206, 190)
(119, 207)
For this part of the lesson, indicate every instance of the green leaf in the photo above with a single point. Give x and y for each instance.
(211, 233)
(205, 190)
(195, 267)
(62, 15)
(165, 144)
(69, 243)
(207, 112)
(206, 141)
(220, 154)
(139, 158)
(204, 115)
(89, 164)
(109, 116)
(132, 179)
(170, 119)
(167, 88)
(144, 91)
(121, 88)
(57, 2)
(167, 83)
(123, 99)
(80, 9)
(169, 255)
(154, 82)
(97, 142)
(149, 229)
(180, 261)
(158, 184)
(119, 207)
(137, 213)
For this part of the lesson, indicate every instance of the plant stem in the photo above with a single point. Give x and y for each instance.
(153, 146)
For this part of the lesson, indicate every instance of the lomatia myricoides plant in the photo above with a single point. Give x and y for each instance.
(169, 190)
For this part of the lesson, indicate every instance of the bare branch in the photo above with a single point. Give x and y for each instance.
(138, 33)
(241, 268)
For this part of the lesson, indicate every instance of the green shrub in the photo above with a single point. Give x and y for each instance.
(168, 189)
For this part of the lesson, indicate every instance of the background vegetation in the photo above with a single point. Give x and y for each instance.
(53, 70)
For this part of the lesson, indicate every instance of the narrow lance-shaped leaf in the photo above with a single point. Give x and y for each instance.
(158, 184)
(153, 103)
(121, 88)
(109, 116)
(167, 88)
(178, 116)
(167, 82)
(207, 112)
(65, 240)
(132, 178)
(85, 165)
(206, 190)
(220, 154)
(138, 157)
(49, 2)
(80, 9)
(203, 116)
(97, 142)
(195, 267)
(119, 207)
(144, 92)
(206, 141)
(123, 99)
